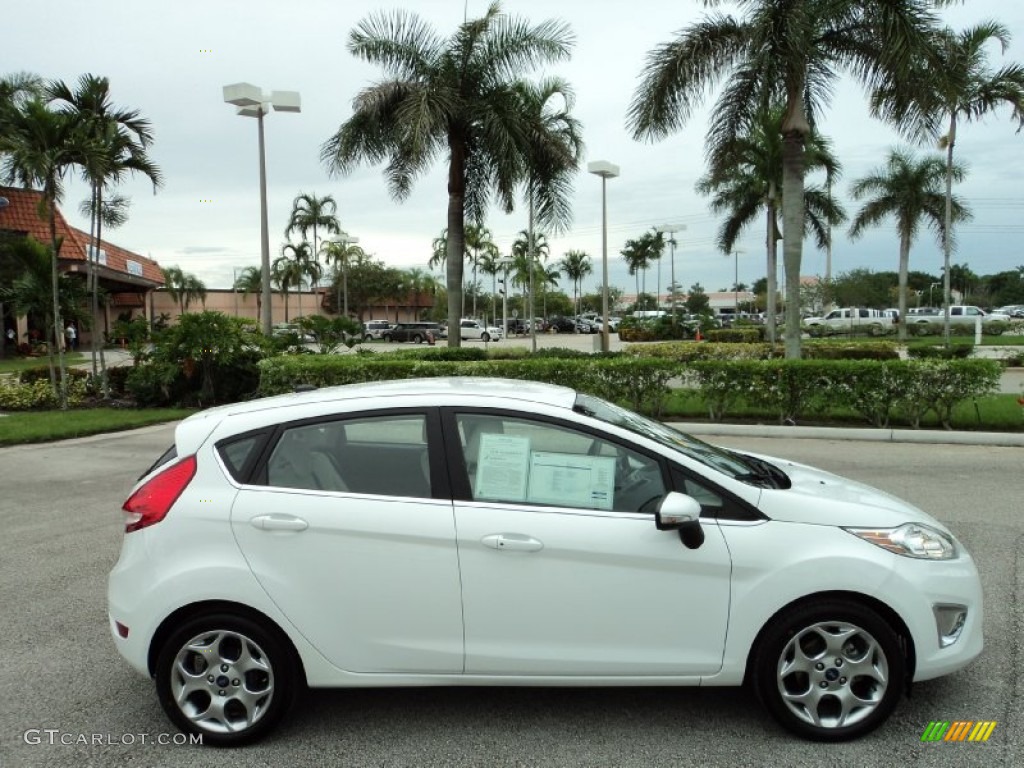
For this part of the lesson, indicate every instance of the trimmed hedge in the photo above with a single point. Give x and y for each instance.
(876, 390)
(18, 396)
(941, 352)
(684, 352)
(642, 384)
(735, 335)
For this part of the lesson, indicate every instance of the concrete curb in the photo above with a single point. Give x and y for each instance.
(930, 436)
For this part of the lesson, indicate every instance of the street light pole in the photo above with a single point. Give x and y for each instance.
(253, 102)
(606, 171)
(670, 230)
(736, 284)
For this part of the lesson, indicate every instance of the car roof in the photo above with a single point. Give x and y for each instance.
(480, 391)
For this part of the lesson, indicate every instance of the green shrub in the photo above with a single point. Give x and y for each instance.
(684, 352)
(42, 373)
(116, 379)
(438, 353)
(850, 350)
(874, 389)
(18, 396)
(959, 351)
(156, 384)
(735, 335)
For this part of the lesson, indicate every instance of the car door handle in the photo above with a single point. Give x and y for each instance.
(512, 541)
(278, 523)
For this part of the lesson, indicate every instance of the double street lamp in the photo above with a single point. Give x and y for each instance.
(606, 171)
(670, 230)
(253, 102)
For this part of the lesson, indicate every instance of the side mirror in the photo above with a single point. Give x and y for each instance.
(679, 512)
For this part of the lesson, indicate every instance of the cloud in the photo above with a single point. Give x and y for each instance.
(190, 249)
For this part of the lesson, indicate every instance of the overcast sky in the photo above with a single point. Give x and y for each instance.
(170, 60)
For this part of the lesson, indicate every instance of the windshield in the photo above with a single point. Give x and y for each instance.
(724, 461)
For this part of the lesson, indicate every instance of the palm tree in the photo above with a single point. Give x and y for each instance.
(553, 158)
(183, 287)
(491, 263)
(576, 265)
(953, 83)
(30, 292)
(122, 137)
(790, 51)
(341, 253)
(250, 280)
(640, 252)
(454, 97)
(305, 266)
(745, 175)
(417, 282)
(287, 273)
(310, 212)
(909, 190)
(39, 146)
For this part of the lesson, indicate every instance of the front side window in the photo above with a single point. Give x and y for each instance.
(522, 461)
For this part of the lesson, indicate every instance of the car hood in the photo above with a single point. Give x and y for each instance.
(823, 498)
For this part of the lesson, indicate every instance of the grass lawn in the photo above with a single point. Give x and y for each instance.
(43, 426)
(16, 364)
(993, 413)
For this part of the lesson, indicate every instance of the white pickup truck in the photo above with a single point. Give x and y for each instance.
(850, 321)
(993, 323)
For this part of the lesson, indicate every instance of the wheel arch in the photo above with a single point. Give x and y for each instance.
(209, 607)
(906, 639)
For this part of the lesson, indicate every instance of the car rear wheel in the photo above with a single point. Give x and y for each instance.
(417, 339)
(226, 678)
(387, 337)
(830, 670)
(485, 337)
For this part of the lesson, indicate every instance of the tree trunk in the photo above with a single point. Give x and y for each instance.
(456, 245)
(58, 323)
(792, 233)
(947, 228)
(771, 268)
(96, 296)
(92, 257)
(901, 329)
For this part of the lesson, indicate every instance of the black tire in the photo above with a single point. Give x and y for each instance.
(387, 337)
(417, 339)
(922, 329)
(810, 628)
(367, 337)
(485, 337)
(271, 691)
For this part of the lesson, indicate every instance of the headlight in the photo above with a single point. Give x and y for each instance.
(910, 540)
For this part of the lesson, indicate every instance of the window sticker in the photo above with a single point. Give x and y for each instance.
(501, 468)
(572, 480)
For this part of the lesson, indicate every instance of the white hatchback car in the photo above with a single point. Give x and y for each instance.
(493, 532)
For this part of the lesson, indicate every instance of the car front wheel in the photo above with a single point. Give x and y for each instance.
(485, 338)
(226, 678)
(830, 670)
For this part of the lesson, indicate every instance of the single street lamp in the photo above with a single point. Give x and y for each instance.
(736, 284)
(670, 230)
(606, 171)
(505, 263)
(344, 239)
(253, 102)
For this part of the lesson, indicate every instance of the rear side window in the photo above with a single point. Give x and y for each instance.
(239, 453)
(169, 455)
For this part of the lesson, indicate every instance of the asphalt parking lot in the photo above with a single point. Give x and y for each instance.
(61, 679)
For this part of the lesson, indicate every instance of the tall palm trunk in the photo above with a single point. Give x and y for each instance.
(96, 294)
(792, 233)
(456, 245)
(533, 274)
(901, 328)
(947, 227)
(92, 258)
(771, 268)
(58, 324)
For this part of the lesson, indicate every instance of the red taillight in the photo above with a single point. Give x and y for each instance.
(152, 501)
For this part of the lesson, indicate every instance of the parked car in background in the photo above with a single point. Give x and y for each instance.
(414, 332)
(559, 324)
(850, 320)
(374, 329)
(994, 323)
(475, 329)
(587, 325)
(463, 531)
(1012, 310)
(283, 330)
